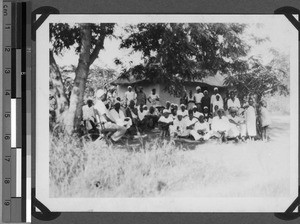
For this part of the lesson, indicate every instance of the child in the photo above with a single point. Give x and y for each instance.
(265, 120)
(251, 120)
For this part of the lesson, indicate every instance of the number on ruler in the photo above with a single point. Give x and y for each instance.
(7, 137)
(7, 180)
(7, 158)
(7, 93)
(7, 49)
(5, 11)
(7, 26)
(7, 71)
(7, 115)
(7, 202)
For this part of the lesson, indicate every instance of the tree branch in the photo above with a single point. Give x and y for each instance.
(99, 45)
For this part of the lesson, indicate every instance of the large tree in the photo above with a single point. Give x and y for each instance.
(177, 52)
(88, 40)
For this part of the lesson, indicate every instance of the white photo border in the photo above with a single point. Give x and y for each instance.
(201, 204)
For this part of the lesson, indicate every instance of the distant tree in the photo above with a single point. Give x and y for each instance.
(175, 53)
(88, 40)
(259, 79)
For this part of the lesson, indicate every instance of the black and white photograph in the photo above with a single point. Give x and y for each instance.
(176, 113)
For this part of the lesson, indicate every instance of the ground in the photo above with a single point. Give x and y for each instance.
(168, 169)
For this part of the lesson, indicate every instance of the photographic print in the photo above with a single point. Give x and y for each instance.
(180, 113)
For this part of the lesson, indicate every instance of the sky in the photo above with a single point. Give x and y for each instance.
(277, 34)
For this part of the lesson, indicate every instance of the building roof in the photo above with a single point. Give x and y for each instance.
(215, 80)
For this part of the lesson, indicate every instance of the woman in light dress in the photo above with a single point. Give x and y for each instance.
(250, 116)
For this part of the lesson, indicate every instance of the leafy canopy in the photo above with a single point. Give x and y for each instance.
(177, 52)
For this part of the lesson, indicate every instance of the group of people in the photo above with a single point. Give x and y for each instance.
(197, 117)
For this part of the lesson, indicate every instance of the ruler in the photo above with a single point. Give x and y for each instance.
(15, 159)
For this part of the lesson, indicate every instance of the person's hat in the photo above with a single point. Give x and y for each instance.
(218, 95)
(216, 88)
(205, 91)
(99, 93)
(205, 107)
(167, 102)
(198, 87)
(129, 87)
(165, 111)
(175, 105)
(179, 113)
(195, 106)
(182, 105)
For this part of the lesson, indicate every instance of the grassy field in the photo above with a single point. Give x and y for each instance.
(165, 169)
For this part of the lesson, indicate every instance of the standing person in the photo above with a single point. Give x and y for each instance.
(227, 97)
(205, 101)
(265, 120)
(214, 96)
(197, 97)
(141, 98)
(217, 102)
(102, 116)
(251, 120)
(183, 98)
(129, 95)
(153, 98)
(233, 101)
(191, 100)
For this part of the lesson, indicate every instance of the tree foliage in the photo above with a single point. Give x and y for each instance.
(174, 53)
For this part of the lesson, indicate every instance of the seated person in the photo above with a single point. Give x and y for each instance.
(220, 126)
(237, 126)
(184, 111)
(164, 123)
(206, 115)
(118, 116)
(201, 130)
(197, 114)
(143, 110)
(178, 129)
(132, 113)
(89, 119)
(191, 121)
(215, 113)
(151, 118)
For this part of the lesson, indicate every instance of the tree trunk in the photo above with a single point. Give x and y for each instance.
(73, 117)
(55, 76)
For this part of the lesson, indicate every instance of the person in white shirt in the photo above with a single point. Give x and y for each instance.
(178, 129)
(198, 97)
(201, 130)
(220, 126)
(237, 126)
(214, 96)
(143, 110)
(184, 111)
(116, 132)
(233, 101)
(129, 95)
(153, 98)
(118, 116)
(217, 102)
(164, 123)
(191, 121)
(197, 114)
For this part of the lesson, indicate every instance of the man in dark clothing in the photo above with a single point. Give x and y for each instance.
(140, 97)
(205, 101)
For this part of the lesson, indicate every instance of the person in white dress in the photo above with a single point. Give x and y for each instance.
(250, 116)
(129, 95)
(198, 97)
(217, 102)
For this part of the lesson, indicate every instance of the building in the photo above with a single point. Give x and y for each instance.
(208, 83)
